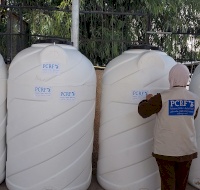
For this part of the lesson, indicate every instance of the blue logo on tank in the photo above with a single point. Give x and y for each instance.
(51, 68)
(42, 91)
(181, 107)
(68, 95)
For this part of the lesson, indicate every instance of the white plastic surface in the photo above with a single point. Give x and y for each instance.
(51, 107)
(194, 176)
(3, 117)
(125, 159)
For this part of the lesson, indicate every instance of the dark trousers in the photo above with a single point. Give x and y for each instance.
(174, 175)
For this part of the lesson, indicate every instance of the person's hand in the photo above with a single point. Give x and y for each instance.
(148, 96)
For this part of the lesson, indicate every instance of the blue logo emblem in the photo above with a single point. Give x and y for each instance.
(68, 95)
(181, 107)
(42, 91)
(51, 68)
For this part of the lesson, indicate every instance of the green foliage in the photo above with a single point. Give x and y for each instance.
(56, 23)
(3, 19)
(3, 25)
(109, 27)
(118, 31)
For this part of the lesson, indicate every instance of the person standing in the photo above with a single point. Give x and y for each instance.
(175, 143)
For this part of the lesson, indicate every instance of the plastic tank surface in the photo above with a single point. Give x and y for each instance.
(51, 107)
(125, 159)
(194, 176)
(3, 118)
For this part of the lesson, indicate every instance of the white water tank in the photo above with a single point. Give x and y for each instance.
(125, 159)
(194, 175)
(3, 117)
(51, 107)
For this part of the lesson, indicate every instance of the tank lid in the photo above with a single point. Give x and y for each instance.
(54, 40)
(144, 46)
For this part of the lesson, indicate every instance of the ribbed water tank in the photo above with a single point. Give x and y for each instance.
(51, 107)
(194, 176)
(125, 159)
(3, 117)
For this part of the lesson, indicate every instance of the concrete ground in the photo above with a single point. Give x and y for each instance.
(94, 186)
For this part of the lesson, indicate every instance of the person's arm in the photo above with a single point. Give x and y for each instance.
(150, 106)
(196, 113)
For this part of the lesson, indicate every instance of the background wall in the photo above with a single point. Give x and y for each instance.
(99, 74)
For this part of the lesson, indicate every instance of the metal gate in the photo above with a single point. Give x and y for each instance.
(22, 23)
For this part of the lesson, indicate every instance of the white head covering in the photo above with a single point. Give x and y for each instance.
(179, 75)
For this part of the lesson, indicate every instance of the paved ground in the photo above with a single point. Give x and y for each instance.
(94, 186)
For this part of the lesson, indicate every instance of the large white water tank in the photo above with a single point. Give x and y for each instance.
(3, 117)
(125, 159)
(51, 107)
(194, 176)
